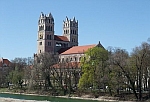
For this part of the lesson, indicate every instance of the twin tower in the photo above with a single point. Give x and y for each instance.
(49, 42)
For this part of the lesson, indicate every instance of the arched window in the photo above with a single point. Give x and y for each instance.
(40, 43)
(73, 31)
(75, 58)
(42, 27)
(62, 59)
(48, 28)
(66, 59)
(49, 43)
(50, 37)
(51, 28)
(47, 36)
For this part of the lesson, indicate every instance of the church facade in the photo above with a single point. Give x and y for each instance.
(49, 42)
(66, 45)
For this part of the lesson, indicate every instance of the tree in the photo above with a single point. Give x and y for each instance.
(140, 57)
(40, 74)
(16, 77)
(93, 66)
(120, 59)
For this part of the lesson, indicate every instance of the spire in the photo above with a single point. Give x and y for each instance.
(66, 18)
(50, 15)
(99, 42)
(42, 15)
(74, 19)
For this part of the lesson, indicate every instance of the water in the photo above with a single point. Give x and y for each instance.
(33, 98)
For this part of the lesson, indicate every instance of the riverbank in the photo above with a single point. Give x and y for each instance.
(101, 98)
(84, 97)
(2, 99)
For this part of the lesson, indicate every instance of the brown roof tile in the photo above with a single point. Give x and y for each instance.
(63, 50)
(78, 49)
(60, 38)
(4, 61)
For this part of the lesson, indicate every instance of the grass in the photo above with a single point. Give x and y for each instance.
(4, 89)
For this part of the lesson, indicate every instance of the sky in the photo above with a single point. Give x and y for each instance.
(116, 23)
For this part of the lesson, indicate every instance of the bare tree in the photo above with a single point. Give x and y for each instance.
(141, 56)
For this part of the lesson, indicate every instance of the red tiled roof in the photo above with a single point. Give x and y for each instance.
(4, 61)
(67, 65)
(78, 49)
(63, 50)
(60, 38)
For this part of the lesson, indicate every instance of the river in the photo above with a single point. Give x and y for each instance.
(6, 97)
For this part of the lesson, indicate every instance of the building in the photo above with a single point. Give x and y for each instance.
(5, 68)
(48, 41)
(4, 62)
(66, 45)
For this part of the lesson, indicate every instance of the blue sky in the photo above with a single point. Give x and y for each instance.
(116, 23)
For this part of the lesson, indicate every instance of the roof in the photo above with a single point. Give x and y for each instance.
(67, 65)
(78, 49)
(60, 38)
(4, 61)
(63, 50)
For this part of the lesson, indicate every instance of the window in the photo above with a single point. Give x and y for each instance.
(75, 59)
(66, 59)
(48, 28)
(51, 28)
(47, 36)
(41, 36)
(40, 43)
(40, 51)
(73, 31)
(62, 59)
(49, 43)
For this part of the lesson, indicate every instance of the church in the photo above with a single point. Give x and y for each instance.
(65, 45)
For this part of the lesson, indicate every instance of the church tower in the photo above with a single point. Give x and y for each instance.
(70, 30)
(45, 42)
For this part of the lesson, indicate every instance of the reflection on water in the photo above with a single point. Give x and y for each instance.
(32, 98)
